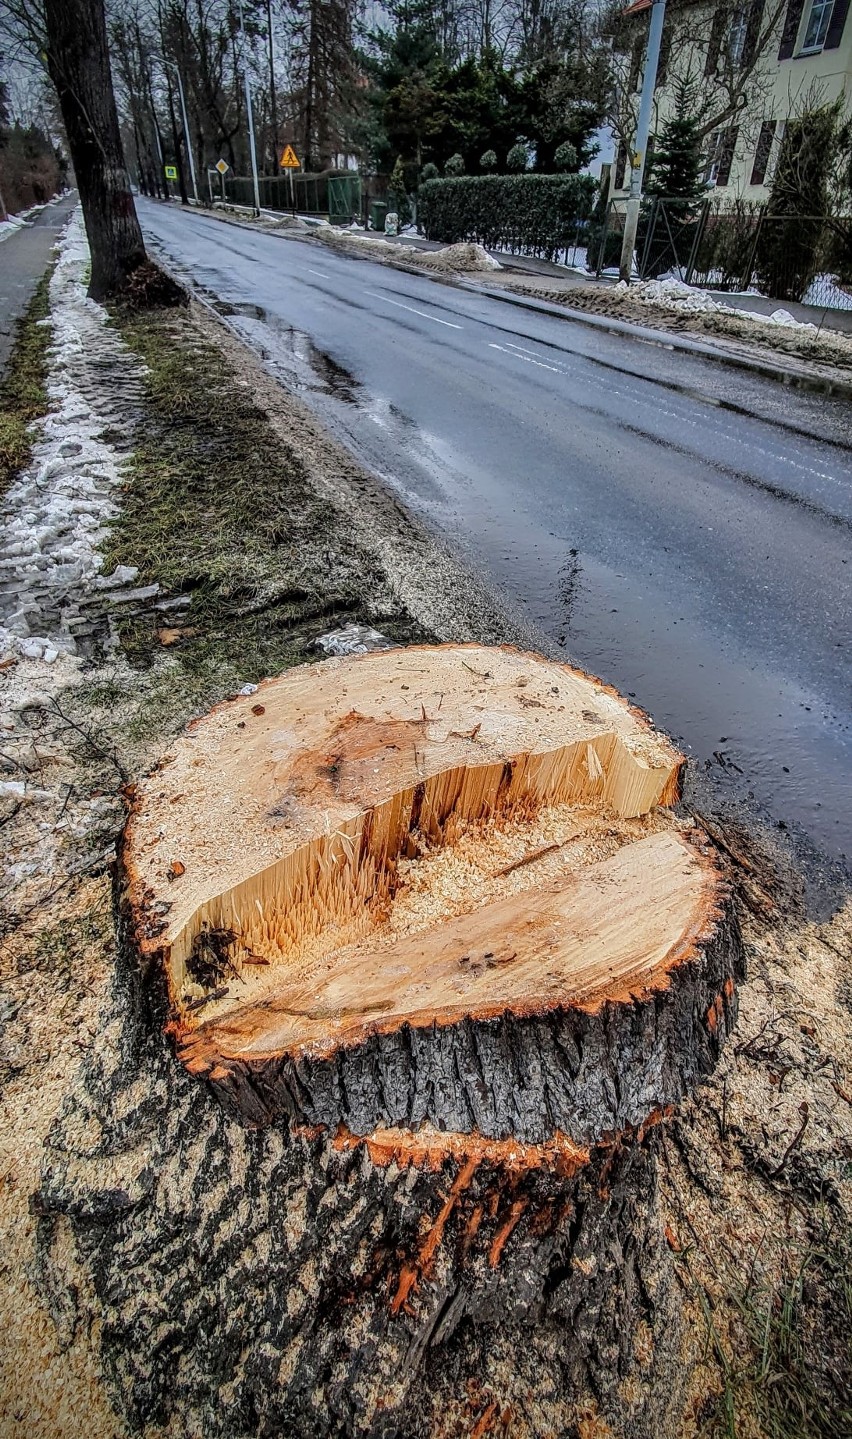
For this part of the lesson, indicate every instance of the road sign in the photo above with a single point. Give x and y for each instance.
(222, 166)
(290, 160)
(171, 172)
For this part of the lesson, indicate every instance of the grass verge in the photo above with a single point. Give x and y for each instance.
(23, 389)
(228, 521)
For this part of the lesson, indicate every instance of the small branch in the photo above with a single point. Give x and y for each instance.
(527, 859)
(794, 1143)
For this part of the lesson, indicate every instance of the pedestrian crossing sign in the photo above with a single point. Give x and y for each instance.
(171, 172)
(289, 160)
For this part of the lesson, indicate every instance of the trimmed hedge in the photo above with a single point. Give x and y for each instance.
(527, 214)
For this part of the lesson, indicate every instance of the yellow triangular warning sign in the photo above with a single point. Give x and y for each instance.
(289, 160)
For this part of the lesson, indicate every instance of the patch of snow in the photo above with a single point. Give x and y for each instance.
(352, 640)
(56, 513)
(672, 294)
(825, 292)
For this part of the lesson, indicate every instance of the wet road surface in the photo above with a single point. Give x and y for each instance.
(682, 529)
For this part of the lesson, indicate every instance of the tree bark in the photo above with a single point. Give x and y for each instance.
(78, 61)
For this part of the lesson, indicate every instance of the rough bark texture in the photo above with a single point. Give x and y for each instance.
(78, 61)
(256, 1283)
(586, 1074)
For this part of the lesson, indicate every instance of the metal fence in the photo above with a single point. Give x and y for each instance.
(336, 196)
(784, 257)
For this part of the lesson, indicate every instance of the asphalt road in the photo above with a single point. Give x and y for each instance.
(681, 529)
(24, 257)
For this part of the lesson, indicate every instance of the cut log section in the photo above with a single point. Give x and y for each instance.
(433, 887)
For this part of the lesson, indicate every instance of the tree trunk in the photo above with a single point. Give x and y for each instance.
(419, 919)
(78, 61)
(422, 910)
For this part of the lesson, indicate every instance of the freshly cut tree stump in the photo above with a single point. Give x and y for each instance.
(426, 925)
(433, 886)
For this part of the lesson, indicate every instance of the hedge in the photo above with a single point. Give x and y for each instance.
(527, 214)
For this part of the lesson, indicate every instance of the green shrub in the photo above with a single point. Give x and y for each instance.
(454, 166)
(566, 156)
(516, 160)
(527, 214)
(488, 161)
(429, 172)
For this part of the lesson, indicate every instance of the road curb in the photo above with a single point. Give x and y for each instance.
(815, 384)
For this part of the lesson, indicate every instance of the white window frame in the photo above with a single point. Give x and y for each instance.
(820, 12)
(737, 32)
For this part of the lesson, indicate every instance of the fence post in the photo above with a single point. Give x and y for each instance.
(602, 250)
(746, 280)
(649, 238)
(696, 241)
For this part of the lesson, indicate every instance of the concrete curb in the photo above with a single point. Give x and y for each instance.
(816, 384)
(793, 379)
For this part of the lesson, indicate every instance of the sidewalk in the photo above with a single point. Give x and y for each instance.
(23, 260)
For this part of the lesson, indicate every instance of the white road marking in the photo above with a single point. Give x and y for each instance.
(514, 355)
(400, 306)
(322, 274)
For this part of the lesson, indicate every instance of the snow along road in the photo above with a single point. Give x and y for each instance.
(681, 529)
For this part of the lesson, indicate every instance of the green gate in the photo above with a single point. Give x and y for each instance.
(344, 197)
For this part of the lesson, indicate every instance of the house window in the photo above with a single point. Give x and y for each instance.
(818, 23)
(720, 155)
(737, 38)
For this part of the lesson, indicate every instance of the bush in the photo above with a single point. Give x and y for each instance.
(454, 166)
(488, 161)
(527, 214)
(516, 160)
(566, 156)
(429, 172)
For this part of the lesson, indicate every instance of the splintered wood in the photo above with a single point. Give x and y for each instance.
(415, 887)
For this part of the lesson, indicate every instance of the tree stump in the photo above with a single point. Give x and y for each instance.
(428, 910)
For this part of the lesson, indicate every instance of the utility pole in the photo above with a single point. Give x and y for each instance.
(250, 116)
(637, 168)
(172, 66)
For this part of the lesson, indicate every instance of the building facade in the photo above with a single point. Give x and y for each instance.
(748, 67)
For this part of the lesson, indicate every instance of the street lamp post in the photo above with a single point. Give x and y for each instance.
(250, 116)
(637, 169)
(172, 66)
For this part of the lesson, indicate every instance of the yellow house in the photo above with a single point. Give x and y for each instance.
(754, 63)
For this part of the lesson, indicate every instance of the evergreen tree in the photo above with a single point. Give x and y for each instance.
(788, 257)
(397, 192)
(675, 168)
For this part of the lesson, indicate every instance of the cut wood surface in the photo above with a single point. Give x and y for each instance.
(431, 886)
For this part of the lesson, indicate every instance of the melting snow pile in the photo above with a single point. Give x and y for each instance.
(673, 294)
(54, 515)
(462, 259)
